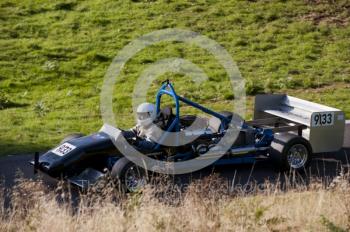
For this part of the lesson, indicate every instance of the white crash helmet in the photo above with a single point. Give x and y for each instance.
(146, 113)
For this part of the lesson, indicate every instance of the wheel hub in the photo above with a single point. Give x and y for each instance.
(297, 156)
(134, 179)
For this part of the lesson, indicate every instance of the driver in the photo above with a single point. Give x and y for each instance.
(145, 129)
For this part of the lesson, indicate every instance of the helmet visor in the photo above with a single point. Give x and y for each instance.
(143, 116)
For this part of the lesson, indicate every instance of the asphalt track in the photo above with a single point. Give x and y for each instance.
(323, 166)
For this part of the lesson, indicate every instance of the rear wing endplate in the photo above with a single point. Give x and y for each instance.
(325, 125)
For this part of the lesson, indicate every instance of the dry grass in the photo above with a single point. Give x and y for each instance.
(204, 205)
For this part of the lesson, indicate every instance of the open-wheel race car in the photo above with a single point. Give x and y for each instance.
(286, 130)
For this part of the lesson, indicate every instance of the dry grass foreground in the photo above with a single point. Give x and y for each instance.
(204, 205)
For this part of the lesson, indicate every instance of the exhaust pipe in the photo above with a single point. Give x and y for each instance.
(244, 150)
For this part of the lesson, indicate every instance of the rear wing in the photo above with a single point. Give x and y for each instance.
(324, 125)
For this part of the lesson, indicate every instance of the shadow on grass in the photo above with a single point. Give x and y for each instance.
(19, 148)
(6, 104)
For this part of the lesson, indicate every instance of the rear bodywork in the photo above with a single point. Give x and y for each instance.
(323, 125)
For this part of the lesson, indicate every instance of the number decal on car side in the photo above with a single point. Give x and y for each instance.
(322, 119)
(63, 149)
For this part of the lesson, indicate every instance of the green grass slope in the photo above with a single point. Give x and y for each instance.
(54, 55)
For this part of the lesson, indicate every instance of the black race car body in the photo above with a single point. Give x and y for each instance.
(83, 160)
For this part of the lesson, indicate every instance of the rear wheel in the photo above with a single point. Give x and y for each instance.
(128, 175)
(294, 154)
(297, 156)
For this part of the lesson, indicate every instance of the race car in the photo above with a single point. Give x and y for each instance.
(286, 130)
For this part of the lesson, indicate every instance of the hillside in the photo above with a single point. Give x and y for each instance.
(54, 55)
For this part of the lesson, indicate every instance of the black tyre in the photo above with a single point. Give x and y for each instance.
(129, 176)
(71, 136)
(293, 153)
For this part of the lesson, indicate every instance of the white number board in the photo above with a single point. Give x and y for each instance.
(322, 119)
(63, 149)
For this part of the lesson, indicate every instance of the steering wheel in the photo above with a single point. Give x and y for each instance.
(131, 137)
(160, 118)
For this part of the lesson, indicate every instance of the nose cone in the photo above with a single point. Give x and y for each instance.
(71, 157)
(50, 163)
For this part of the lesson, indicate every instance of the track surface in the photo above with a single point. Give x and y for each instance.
(325, 166)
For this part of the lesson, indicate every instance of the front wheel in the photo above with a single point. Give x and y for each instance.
(128, 175)
(294, 154)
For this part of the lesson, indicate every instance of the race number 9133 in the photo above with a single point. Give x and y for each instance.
(322, 119)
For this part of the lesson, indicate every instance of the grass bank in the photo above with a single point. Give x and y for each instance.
(54, 55)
